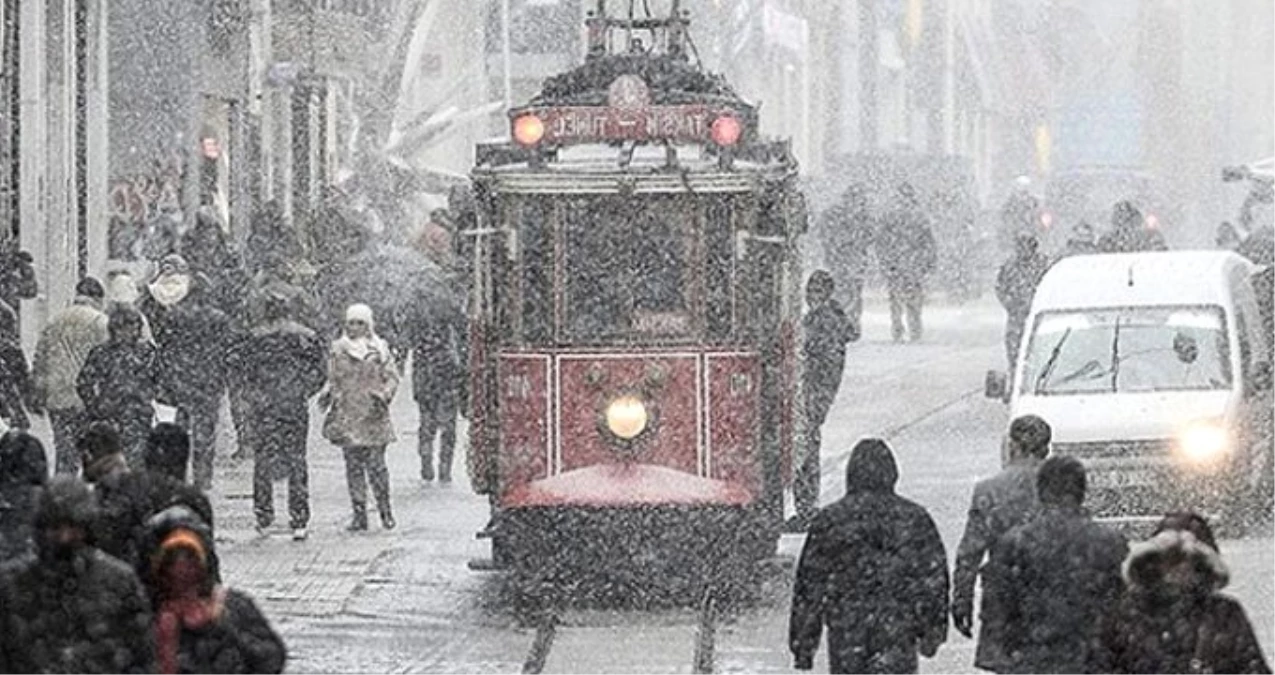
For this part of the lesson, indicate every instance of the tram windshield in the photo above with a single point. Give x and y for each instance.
(628, 270)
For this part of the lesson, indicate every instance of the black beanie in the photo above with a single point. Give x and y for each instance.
(90, 288)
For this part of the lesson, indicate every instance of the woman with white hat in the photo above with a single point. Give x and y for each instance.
(362, 379)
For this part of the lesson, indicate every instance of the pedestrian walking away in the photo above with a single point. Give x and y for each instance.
(1016, 286)
(60, 353)
(874, 572)
(1172, 617)
(907, 254)
(847, 236)
(193, 336)
(827, 331)
(24, 469)
(1050, 581)
(1129, 232)
(362, 378)
(999, 504)
(167, 454)
(72, 608)
(120, 380)
(201, 626)
(439, 356)
(282, 363)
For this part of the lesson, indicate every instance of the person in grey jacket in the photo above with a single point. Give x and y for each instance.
(63, 348)
(1000, 503)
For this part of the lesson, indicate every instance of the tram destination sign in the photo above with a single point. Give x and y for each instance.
(568, 125)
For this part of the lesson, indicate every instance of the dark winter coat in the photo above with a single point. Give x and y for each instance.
(1020, 213)
(17, 389)
(240, 639)
(17, 275)
(1157, 629)
(847, 235)
(439, 352)
(164, 491)
(282, 365)
(193, 337)
(873, 570)
(827, 330)
(302, 305)
(905, 247)
(1129, 239)
(1049, 583)
(85, 613)
(119, 382)
(999, 504)
(206, 248)
(24, 467)
(124, 505)
(1017, 281)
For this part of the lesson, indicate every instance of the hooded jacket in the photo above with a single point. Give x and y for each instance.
(1157, 628)
(281, 364)
(63, 347)
(873, 570)
(237, 637)
(24, 468)
(72, 610)
(192, 334)
(119, 381)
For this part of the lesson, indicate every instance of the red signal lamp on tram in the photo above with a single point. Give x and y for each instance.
(726, 130)
(528, 130)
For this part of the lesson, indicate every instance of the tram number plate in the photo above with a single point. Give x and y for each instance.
(582, 124)
(1117, 479)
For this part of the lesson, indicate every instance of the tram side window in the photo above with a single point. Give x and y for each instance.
(535, 244)
(626, 270)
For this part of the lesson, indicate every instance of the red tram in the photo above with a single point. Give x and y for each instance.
(634, 309)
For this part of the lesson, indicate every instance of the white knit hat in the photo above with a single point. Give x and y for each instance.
(359, 312)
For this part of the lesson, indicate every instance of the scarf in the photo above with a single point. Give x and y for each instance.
(362, 348)
(170, 289)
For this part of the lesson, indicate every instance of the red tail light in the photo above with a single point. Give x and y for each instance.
(726, 130)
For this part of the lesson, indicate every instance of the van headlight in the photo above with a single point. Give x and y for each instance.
(626, 417)
(1204, 443)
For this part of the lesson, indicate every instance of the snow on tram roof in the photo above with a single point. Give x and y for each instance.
(1123, 279)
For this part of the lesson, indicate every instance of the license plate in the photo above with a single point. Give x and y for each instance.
(1117, 479)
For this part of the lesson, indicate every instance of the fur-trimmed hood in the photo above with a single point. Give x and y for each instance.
(1141, 569)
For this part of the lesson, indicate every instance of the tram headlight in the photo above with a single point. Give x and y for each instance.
(1204, 443)
(626, 417)
(726, 130)
(528, 130)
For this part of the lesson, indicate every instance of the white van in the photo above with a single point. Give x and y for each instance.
(1152, 369)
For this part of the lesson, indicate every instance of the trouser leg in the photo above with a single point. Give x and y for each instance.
(805, 491)
(425, 438)
(379, 476)
(240, 419)
(201, 419)
(447, 439)
(896, 311)
(915, 300)
(293, 442)
(67, 425)
(1013, 335)
(263, 460)
(356, 477)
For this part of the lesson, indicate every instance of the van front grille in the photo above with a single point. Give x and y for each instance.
(1114, 449)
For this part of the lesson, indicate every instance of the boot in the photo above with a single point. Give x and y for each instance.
(358, 523)
(387, 520)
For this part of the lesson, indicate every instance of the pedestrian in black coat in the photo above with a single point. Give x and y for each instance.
(24, 469)
(827, 331)
(17, 388)
(1172, 617)
(283, 365)
(123, 494)
(1052, 579)
(873, 570)
(120, 380)
(1129, 233)
(194, 338)
(72, 608)
(999, 504)
(201, 626)
(206, 248)
(17, 274)
(907, 254)
(439, 359)
(1016, 286)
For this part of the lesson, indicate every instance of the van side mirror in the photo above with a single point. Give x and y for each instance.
(1263, 376)
(995, 386)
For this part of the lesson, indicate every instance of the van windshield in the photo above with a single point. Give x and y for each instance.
(1136, 349)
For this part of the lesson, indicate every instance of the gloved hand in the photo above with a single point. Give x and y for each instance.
(963, 618)
(803, 662)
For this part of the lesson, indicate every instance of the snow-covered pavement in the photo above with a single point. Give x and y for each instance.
(404, 601)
